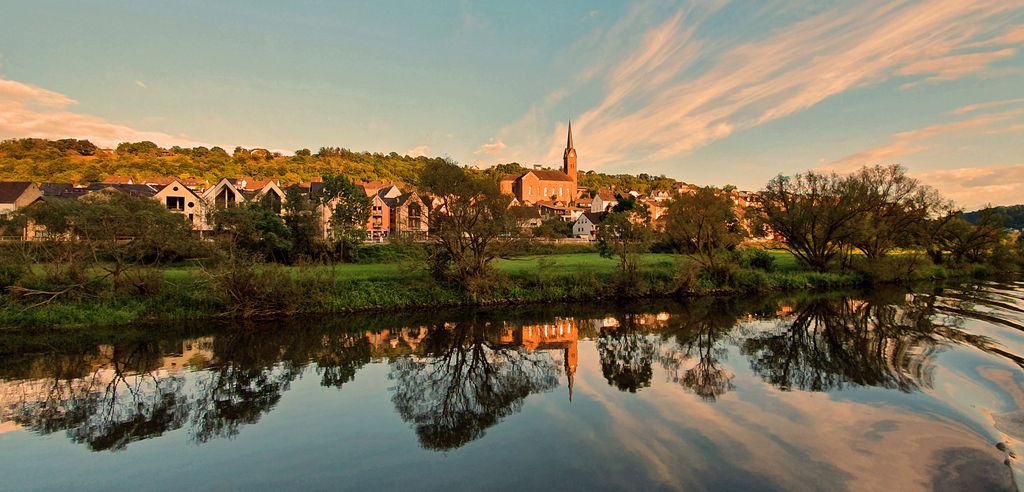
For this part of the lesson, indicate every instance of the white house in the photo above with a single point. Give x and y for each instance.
(587, 223)
(181, 199)
(223, 194)
(603, 201)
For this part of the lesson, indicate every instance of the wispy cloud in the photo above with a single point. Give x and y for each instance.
(30, 111)
(493, 149)
(676, 90)
(913, 141)
(976, 187)
(140, 84)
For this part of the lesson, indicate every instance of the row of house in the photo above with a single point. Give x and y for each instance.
(395, 208)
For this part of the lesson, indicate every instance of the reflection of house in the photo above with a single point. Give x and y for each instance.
(403, 341)
(560, 334)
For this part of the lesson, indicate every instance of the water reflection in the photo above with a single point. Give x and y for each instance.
(454, 376)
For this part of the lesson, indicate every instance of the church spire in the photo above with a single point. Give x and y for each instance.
(568, 142)
(569, 161)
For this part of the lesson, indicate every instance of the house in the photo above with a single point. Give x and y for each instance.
(138, 190)
(224, 194)
(603, 201)
(268, 192)
(587, 223)
(527, 218)
(118, 180)
(554, 210)
(379, 223)
(179, 198)
(16, 195)
(410, 215)
(544, 184)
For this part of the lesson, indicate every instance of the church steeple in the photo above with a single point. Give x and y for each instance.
(569, 158)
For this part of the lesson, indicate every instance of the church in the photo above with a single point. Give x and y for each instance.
(542, 185)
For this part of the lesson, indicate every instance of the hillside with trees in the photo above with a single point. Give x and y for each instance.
(80, 161)
(1011, 216)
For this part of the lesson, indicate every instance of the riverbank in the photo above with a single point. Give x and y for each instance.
(189, 293)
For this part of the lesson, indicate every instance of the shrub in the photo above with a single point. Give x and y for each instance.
(757, 258)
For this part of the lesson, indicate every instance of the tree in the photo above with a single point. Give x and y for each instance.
(625, 233)
(972, 242)
(254, 229)
(813, 213)
(704, 226)
(302, 217)
(894, 208)
(471, 227)
(350, 209)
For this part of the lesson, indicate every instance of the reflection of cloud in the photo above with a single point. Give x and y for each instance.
(418, 150)
(675, 89)
(30, 111)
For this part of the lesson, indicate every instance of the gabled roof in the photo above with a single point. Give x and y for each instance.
(548, 175)
(12, 190)
(594, 217)
(606, 195)
(124, 180)
(140, 190)
(182, 187)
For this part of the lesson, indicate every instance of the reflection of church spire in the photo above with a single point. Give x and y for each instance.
(571, 356)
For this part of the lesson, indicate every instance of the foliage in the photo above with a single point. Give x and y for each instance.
(554, 228)
(893, 207)
(255, 230)
(813, 213)
(704, 225)
(625, 233)
(471, 227)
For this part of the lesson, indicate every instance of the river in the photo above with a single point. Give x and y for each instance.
(886, 390)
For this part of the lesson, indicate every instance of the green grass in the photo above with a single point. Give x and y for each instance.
(186, 293)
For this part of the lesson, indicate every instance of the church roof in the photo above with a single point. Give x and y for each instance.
(546, 175)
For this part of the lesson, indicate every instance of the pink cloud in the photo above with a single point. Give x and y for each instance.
(492, 149)
(913, 141)
(417, 151)
(30, 111)
(976, 187)
(673, 91)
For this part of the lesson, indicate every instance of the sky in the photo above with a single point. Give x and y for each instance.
(708, 92)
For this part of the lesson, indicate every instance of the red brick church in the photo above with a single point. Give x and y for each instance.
(546, 185)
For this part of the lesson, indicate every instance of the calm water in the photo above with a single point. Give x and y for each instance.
(884, 391)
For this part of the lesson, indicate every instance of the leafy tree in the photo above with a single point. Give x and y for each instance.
(894, 208)
(553, 229)
(302, 216)
(625, 233)
(814, 214)
(254, 229)
(704, 225)
(471, 227)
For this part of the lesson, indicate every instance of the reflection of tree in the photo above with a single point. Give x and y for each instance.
(697, 331)
(467, 384)
(626, 355)
(833, 343)
(340, 358)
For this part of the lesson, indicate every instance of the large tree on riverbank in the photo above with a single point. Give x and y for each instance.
(470, 226)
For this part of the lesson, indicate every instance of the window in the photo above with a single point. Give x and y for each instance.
(176, 203)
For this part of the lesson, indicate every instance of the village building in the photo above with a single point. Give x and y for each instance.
(410, 215)
(543, 184)
(180, 199)
(224, 194)
(18, 194)
(586, 225)
(603, 201)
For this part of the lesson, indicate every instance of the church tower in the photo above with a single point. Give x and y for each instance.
(569, 159)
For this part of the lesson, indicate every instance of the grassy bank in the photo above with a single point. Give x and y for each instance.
(187, 293)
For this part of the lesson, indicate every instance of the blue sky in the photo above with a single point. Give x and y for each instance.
(707, 92)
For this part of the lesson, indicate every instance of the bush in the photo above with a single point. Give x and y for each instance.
(757, 258)
(252, 290)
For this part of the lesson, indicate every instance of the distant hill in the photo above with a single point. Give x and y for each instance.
(79, 161)
(1012, 216)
